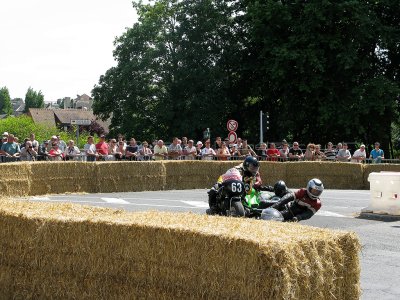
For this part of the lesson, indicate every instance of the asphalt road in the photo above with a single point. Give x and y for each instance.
(380, 256)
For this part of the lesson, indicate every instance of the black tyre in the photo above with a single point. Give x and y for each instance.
(237, 209)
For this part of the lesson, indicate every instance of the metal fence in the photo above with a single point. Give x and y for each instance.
(83, 158)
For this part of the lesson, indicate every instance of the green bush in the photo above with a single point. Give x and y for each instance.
(23, 126)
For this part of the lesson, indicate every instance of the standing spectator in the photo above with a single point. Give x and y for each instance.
(377, 154)
(207, 153)
(359, 155)
(175, 149)
(284, 151)
(90, 149)
(318, 154)
(190, 150)
(55, 153)
(121, 138)
(4, 139)
(272, 153)
(112, 149)
(132, 149)
(343, 153)
(120, 153)
(295, 153)
(72, 152)
(330, 153)
(53, 140)
(223, 153)
(10, 149)
(35, 143)
(199, 146)
(61, 144)
(102, 148)
(184, 143)
(160, 151)
(245, 149)
(339, 146)
(262, 151)
(28, 153)
(218, 143)
(145, 152)
(310, 152)
(43, 153)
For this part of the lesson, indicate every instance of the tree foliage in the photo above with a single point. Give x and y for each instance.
(23, 126)
(324, 70)
(5, 102)
(33, 99)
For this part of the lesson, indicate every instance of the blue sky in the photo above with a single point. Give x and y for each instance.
(59, 47)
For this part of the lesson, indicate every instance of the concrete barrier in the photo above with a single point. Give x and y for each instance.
(385, 193)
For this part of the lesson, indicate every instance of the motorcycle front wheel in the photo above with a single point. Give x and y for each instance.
(237, 209)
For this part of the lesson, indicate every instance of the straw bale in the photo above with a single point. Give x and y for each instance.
(367, 169)
(271, 172)
(334, 175)
(130, 176)
(68, 251)
(61, 177)
(14, 179)
(191, 174)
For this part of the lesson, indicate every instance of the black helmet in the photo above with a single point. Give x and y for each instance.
(251, 165)
(315, 188)
(280, 188)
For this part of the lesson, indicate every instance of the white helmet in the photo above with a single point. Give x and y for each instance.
(315, 188)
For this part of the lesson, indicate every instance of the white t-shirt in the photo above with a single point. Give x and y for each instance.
(359, 153)
(205, 151)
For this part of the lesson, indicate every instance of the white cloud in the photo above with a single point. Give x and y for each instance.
(59, 47)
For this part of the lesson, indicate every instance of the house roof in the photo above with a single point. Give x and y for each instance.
(42, 116)
(64, 116)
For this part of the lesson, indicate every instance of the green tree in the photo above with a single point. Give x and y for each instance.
(33, 99)
(324, 70)
(320, 71)
(174, 70)
(5, 102)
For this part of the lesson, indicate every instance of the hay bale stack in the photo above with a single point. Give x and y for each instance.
(14, 179)
(271, 172)
(62, 177)
(130, 176)
(52, 251)
(192, 174)
(334, 175)
(367, 169)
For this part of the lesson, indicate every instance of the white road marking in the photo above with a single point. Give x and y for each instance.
(199, 204)
(127, 203)
(326, 213)
(39, 198)
(115, 200)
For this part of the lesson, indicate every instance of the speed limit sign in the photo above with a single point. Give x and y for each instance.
(232, 137)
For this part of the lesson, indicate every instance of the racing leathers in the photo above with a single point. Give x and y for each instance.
(236, 173)
(297, 206)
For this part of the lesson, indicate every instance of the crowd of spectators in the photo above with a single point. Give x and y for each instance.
(56, 149)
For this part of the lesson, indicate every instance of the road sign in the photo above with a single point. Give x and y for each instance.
(232, 125)
(81, 122)
(232, 137)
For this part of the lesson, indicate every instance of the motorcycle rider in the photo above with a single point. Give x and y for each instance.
(302, 204)
(249, 171)
(280, 189)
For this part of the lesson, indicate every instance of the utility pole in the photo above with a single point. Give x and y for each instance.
(262, 122)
